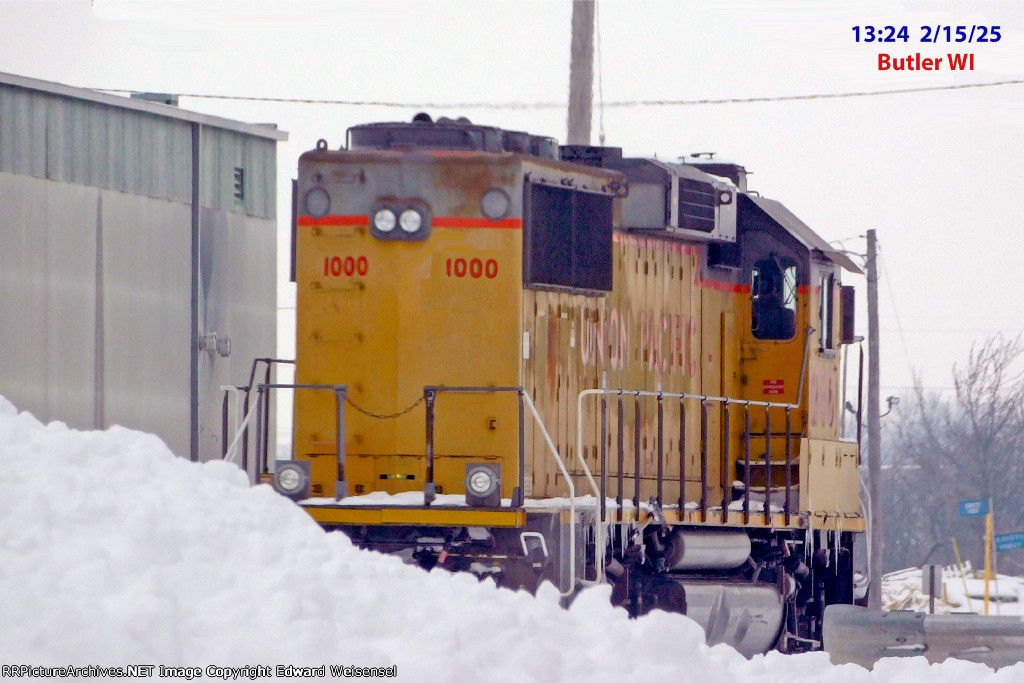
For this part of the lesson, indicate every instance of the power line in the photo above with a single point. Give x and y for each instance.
(562, 105)
(823, 96)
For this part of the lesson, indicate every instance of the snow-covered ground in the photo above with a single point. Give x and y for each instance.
(114, 552)
(961, 592)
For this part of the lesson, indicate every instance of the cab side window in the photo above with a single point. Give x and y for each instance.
(773, 287)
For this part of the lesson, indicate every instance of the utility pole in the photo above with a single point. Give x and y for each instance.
(874, 431)
(581, 72)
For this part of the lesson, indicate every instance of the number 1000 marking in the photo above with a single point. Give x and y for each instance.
(474, 268)
(349, 266)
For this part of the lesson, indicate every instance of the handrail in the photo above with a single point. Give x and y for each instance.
(269, 362)
(264, 426)
(430, 392)
(572, 494)
(231, 451)
(701, 397)
(704, 399)
(262, 415)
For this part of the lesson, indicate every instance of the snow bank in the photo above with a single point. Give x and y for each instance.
(960, 592)
(115, 552)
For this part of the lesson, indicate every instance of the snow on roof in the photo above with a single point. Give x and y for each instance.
(115, 552)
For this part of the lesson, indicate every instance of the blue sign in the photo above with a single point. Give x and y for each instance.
(1009, 541)
(969, 508)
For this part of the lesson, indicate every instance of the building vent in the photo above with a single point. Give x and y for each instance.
(239, 184)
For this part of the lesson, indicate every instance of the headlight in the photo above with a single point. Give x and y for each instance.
(412, 215)
(483, 485)
(291, 478)
(410, 220)
(384, 220)
(318, 202)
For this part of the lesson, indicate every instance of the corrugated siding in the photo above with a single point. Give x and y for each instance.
(224, 151)
(146, 252)
(76, 141)
(48, 298)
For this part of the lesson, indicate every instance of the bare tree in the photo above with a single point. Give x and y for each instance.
(944, 450)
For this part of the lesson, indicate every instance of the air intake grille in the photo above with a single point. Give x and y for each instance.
(696, 205)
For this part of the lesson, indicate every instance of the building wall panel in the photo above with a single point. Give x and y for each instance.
(113, 161)
(223, 152)
(146, 330)
(47, 306)
(54, 144)
(238, 295)
(261, 192)
(22, 134)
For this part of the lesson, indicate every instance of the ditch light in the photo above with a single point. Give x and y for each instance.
(291, 478)
(483, 485)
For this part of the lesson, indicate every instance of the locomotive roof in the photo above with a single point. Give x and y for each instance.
(449, 134)
(528, 162)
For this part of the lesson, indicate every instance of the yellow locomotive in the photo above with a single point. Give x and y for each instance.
(534, 362)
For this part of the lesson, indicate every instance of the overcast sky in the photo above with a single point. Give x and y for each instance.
(937, 174)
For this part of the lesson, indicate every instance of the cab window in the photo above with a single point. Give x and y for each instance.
(773, 287)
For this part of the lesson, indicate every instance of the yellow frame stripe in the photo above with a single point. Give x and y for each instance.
(417, 516)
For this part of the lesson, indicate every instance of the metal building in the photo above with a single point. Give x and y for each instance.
(131, 233)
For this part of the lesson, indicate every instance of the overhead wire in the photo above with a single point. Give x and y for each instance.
(562, 105)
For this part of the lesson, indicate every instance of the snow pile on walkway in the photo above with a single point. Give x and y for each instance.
(115, 552)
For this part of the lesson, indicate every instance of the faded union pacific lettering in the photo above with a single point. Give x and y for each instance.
(608, 335)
